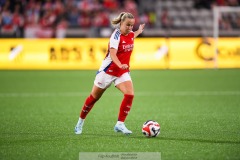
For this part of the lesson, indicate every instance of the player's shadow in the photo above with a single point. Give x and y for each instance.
(165, 138)
(191, 140)
(168, 138)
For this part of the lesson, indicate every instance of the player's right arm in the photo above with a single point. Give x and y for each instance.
(113, 54)
(114, 43)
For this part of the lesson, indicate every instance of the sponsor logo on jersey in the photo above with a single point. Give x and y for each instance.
(128, 47)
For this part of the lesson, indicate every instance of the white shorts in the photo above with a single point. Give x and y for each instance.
(104, 80)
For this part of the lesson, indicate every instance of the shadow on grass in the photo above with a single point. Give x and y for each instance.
(45, 138)
(194, 140)
(120, 135)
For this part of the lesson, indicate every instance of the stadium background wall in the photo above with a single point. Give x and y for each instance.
(149, 53)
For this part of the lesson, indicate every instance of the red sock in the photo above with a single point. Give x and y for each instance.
(90, 101)
(125, 107)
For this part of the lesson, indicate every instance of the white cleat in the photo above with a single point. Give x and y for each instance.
(79, 126)
(78, 130)
(122, 128)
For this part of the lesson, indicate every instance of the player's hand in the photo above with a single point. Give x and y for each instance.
(141, 28)
(123, 66)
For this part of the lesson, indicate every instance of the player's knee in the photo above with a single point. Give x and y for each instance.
(129, 92)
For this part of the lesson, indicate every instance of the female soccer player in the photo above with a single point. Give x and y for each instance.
(115, 69)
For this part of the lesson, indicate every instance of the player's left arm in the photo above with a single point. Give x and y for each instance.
(139, 31)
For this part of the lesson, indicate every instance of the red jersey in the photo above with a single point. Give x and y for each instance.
(124, 45)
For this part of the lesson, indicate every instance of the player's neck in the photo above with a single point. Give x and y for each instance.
(123, 33)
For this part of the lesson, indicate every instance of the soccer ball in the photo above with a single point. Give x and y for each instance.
(151, 128)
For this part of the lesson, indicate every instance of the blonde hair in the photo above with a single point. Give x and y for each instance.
(121, 17)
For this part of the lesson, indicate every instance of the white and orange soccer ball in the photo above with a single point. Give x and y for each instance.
(151, 128)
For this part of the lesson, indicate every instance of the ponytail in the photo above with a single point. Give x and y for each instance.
(121, 17)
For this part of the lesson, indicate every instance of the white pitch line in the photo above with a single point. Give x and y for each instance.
(190, 93)
(156, 93)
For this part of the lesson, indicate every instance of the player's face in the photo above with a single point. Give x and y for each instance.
(127, 25)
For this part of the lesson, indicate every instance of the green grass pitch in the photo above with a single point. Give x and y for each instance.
(198, 110)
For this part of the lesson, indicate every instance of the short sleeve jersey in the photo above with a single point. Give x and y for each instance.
(124, 45)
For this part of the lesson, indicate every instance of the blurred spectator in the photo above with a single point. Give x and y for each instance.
(111, 5)
(152, 18)
(166, 19)
(144, 18)
(18, 20)
(7, 21)
(47, 24)
(84, 19)
(61, 28)
(32, 13)
(131, 6)
(73, 17)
